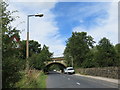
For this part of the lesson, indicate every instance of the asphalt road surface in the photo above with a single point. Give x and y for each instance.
(57, 80)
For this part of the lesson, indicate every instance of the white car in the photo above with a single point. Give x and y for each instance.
(54, 70)
(69, 70)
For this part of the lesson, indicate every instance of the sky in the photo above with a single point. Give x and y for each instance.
(98, 19)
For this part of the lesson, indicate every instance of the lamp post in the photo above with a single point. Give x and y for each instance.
(71, 60)
(27, 41)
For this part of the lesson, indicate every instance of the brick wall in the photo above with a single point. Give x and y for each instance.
(110, 72)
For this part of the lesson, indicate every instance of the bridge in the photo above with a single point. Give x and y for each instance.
(56, 60)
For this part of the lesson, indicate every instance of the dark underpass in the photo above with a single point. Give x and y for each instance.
(54, 66)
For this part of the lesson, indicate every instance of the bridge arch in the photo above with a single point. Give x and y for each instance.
(62, 66)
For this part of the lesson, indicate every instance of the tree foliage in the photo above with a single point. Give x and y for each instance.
(11, 65)
(106, 55)
(77, 47)
(117, 49)
(14, 59)
(34, 48)
(38, 61)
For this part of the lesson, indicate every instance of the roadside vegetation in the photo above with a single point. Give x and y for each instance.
(34, 79)
(14, 56)
(79, 47)
(85, 54)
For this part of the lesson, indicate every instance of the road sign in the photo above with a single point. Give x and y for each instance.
(15, 41)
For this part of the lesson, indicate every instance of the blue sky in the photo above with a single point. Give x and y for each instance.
(69, 14)
(98, 19)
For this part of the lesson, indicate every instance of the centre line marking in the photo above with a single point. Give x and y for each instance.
(78, 83)
(68, 78)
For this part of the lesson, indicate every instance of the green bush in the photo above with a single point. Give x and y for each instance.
(11, 68)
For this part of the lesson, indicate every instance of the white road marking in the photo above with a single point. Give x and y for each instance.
(78, 83)
(68, 78)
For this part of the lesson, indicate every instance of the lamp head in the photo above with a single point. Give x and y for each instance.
(39, 15)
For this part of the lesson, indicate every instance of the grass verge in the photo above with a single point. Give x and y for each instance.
(33, 79)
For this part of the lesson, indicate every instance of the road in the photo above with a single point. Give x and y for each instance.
(57, 80)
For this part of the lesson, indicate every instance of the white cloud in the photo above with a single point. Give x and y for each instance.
(32, 0)
(63, 0)
(108, 27)
(43, 29)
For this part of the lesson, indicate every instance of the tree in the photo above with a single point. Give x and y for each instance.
(90, 59)
(7, 31)
(68, 59)
(11, 65)
(77, 47)
(106, 55)
(37, 61)
(46, 53)
(34, 48)
(117, 48)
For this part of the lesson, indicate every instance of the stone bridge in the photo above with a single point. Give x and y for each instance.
(57, 61)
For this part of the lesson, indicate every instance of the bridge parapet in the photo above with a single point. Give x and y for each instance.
(62, 62)
(57, 60)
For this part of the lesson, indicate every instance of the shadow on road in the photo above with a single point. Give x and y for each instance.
(53, 72)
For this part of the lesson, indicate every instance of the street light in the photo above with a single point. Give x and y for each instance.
(71, 60)
(36, 15)
(27, 42)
